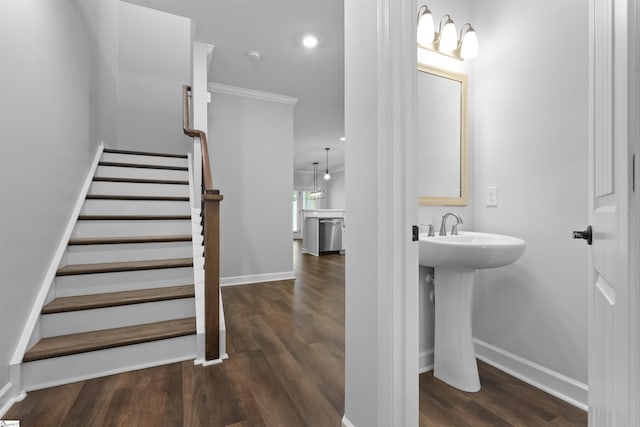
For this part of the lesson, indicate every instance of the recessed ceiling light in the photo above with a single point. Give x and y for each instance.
(310, 41)
(254, 55)
(343, 139)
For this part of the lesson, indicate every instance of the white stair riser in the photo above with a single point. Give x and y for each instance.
(145, 173)
(143, 160)
(89, 254)
(136, 189)
(75, 322)
(131, 228)
(134, 207)
(87, 284)
(63, 370)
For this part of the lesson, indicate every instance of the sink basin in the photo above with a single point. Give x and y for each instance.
(471, 250)
(455, 260)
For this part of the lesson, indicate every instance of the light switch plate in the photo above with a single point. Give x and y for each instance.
(491, 196)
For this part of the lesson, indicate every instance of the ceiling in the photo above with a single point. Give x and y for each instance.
(276, 28)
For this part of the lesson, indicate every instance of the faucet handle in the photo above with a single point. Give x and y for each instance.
(430, 232)
(454, 229)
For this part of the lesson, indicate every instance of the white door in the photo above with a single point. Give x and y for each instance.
(610, 354)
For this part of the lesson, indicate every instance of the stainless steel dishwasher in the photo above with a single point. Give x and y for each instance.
(330, 234)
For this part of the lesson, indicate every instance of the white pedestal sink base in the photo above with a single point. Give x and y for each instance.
(454, 355)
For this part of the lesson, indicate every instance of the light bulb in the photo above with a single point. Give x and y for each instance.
(469, 44)
(327, 176)
(448, 37)
(426, 29)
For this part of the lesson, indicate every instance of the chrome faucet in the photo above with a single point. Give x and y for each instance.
(454, 228)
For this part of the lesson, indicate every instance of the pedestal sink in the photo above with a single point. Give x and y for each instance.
(455, 259)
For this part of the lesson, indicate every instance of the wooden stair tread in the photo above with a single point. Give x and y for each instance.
(66, 345)
(129, 239)
(144, 153)
(114, 299)
(132, 217)
(136, 197)
(114, 267)
(143, 166)
(141, 180)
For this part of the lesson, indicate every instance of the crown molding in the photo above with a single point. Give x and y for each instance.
(251, 93)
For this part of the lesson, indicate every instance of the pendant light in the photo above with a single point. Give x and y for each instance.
(327, 176)
(316, 193)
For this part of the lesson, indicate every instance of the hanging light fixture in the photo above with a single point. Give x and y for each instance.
(316, 193)
(445, 41)
(327, 176)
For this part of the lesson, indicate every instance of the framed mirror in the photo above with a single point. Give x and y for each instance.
(442, 137)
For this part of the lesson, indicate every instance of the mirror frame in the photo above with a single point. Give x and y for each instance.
(462, 200)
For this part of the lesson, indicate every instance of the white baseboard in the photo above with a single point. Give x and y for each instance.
(55, 262)
(256, 278)
(9, 396)
(554, 383)
(346, 422)
(425, 361)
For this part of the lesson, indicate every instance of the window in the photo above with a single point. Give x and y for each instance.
(301, 198)
(295, 211)
(307, 201)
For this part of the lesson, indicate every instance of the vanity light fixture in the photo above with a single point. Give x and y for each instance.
(327, 176)
(316, 193)
(445, 40)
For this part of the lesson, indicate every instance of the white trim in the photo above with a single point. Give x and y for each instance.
(9, 403)
(203, 362)
(398, 399)
(55, 262)
(109, 372)
(346, 422)
(257, 278)
(253, 94)
(552, 382)
(425, 361)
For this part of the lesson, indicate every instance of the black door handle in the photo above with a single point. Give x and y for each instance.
(586, 235)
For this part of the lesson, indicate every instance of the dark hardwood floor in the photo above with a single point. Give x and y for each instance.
(286, 368)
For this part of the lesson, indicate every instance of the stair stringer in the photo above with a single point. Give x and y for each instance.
(198, 280)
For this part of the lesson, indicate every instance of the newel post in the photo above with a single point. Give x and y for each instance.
(211, 204)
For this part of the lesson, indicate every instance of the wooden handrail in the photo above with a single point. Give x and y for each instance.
(210, 214)
(196, 133)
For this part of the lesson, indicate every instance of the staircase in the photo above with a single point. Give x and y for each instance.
(123, 297)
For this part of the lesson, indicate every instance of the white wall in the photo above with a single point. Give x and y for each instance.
(361, 280)
(251, 150)
(50, 127)
(531, 141)
(336, 191)
(527, 135)
(154, 62)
